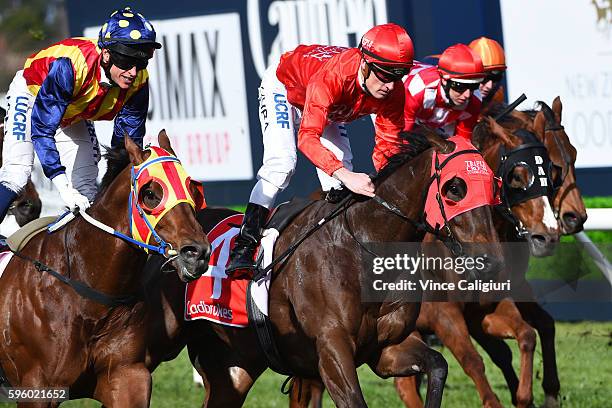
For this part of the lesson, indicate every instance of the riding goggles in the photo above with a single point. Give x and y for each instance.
(494, 76)
(461, 87)
(126, 62)
(388, 74)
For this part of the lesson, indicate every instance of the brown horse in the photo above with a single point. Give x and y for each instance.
(570, 210)
(568, 205)
(500, 320)
(84, 327)
(27, 205)
(322, 328)
(486, 321)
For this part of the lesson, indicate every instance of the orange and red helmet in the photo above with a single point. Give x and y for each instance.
(491, 53)
(388, 48)
(460, 64)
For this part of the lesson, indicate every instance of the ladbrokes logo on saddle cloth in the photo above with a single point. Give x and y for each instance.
(483, 188)
(214, 296)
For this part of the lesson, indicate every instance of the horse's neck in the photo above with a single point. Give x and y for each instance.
(111, 264)
(404, 188)
(490, 152)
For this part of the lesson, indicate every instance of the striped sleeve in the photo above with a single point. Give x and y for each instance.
(49, 106)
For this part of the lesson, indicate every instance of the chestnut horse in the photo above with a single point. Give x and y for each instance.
(568, 205)
(27, 205)
(323, 329)
(569, 208)
(76, 317)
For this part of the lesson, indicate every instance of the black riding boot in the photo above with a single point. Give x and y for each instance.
(242, 263)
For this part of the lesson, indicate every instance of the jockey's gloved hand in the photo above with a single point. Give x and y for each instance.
(69, 195)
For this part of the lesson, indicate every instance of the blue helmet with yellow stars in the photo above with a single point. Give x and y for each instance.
(128, 33)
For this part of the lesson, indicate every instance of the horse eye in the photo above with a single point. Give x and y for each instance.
(454, 189)
(148, 198)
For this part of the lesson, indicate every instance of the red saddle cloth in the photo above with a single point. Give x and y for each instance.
(214, 296)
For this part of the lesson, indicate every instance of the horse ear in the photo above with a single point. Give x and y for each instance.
(164, 142)
(539, 124)
(498, 131)
(556, 108)
(197, 192)
(136, 154)
(438, 142)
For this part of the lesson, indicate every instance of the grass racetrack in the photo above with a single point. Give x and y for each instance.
(584, 359)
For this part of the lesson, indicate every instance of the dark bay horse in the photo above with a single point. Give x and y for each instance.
(90, 336)
(453, 322)
(27, 205)
(322, 327)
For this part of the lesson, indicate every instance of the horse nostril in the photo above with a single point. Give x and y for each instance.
(193, 251)
(570, 219)
(540, 239)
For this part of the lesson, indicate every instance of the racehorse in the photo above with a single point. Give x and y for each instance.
(569, 208)
(72, 307)
(568, 205)
(27, 205)
(505, 320)
(322, 328)
(452, 320)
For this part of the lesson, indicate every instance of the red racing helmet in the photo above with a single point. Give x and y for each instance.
(388, 47)
(460, 64)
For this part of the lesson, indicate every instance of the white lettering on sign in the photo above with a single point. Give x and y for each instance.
(326, 22)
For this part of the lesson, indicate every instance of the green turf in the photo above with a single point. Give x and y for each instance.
(583, 357)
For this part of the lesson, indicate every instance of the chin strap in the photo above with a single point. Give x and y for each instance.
(446, 88)
(107, 71)
(363, 83)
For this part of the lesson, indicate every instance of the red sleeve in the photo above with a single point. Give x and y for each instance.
(389, 123)
(319, 97)
(412, 106)
(465, 126)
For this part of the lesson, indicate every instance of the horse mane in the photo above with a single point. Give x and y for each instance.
(548, 113)
(417, 144)
(117, 159)
(481, 132)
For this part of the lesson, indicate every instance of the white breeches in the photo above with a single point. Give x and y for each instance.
(279, 121)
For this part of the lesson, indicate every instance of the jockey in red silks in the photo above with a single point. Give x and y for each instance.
(442, 97)
(319, 88)
(61, 90)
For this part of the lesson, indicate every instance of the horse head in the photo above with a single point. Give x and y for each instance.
(456, 190)
(521, 160)
(567, 204)
(160, 200)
